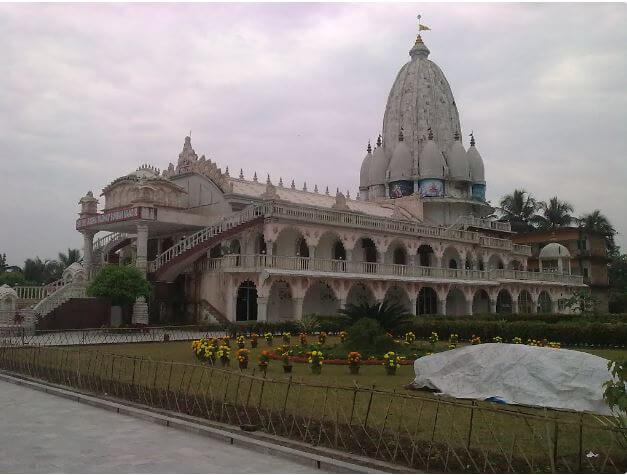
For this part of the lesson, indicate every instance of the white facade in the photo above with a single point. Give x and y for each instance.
(255, 249)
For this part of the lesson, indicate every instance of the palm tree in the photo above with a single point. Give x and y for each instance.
(391, 316)
(72, 256)
(40, 272)
(555, 214)
(519, 209)
(597, 222)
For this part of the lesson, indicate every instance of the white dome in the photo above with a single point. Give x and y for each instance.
(378, 166)
(420, 98)
(431, 163)
(401, 165)
(475, 162)
(364, 173)
(458, 161)
(554, 250)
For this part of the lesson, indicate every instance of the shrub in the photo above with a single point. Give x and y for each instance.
(121, 284)
(367, 336)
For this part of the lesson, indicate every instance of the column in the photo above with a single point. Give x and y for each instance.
(312, 251)
(515, 305)
(534, 305)
(342, 302)
(298, 308)
(438, 260)
(492, 305)
(412, 305)
(262, 309)
(142, 247)
(554, 306)
(442, 306)
(412, 260)
(88, 251)
(469, 305)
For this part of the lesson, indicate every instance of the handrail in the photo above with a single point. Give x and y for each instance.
(100, 243)
(325, 216)
(258, 262)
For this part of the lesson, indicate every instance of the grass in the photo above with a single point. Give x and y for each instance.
(506, 432)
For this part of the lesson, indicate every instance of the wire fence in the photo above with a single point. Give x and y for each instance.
(20, 336)
(433, 434)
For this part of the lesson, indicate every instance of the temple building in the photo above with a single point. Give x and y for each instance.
(225, 247)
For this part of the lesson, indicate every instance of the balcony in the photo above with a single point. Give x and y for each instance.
(471, 221)
(260, 262)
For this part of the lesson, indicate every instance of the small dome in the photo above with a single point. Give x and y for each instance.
(7, 292)
(432, 163)
(554, 250)
(458, 161)
(475, 162)
(401, 164)
(378, 166)
(364, 173)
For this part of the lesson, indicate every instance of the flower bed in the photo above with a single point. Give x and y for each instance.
(364, 362)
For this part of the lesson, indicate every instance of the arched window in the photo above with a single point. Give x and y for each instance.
(427, 303)
(246, 307)
(339, 253)
(424, 255)
(452, 264)
(504, 302)
(400, 256)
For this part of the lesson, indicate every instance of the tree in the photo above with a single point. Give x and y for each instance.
(617, 276)
(519, 209)
(391, 316)
(582, 301)
(555, 214)
(41, 272)
(596, 222)
(121, 284)
(13, 279)
(4, 267)
(72, 256)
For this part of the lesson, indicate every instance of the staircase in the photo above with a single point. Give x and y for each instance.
(169, 263)
(71, 290)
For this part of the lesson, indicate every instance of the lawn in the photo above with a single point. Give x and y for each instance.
(330, 409)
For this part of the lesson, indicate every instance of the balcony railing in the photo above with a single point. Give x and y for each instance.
(259, 262)
(471, 221)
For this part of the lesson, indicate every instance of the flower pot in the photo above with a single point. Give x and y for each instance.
(287, 369)
(253, 343)
(390, 370)
(243, 365)
(353, 369)
(166, 337)
(316, 369)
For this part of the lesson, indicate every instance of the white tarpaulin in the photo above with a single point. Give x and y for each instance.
(517, 374)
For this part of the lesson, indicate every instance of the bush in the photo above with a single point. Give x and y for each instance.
(121, 284)
(367, 336)
(567, 333)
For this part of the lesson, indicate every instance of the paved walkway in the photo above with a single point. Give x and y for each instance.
(43, 433)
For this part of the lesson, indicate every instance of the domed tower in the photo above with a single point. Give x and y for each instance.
(422, 151)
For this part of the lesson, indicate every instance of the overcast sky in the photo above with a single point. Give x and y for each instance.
(90, 92)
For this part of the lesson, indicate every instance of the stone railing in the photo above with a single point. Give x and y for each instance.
(38, 292)
(484, 224)
(100, 243)
(259, 262)
(521, 249)
(68, 291)
(312, 214)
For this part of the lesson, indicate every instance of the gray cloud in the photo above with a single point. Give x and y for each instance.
(91, 91)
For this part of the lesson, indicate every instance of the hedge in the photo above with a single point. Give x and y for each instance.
(600, 334)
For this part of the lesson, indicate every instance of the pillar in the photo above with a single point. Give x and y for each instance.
(469, 305)
(442, 306)
(438, 260)
(492, 305)
(343, 302)
(349, 255)
(515, 305)
(88, 251)
(141, 261)
(534, 305)
(312, 251)
(413, 304)
(298, 308)
(412, 260)
(262, 309)
(554, 306)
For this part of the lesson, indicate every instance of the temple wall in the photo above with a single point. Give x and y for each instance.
(203, 196)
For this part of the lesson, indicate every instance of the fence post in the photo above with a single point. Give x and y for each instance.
(580, 442)
(350, 422)
(472, 416)
(369, 406)
(287, 393)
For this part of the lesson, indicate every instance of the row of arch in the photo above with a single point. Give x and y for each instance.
(320, 299)
(292, 243)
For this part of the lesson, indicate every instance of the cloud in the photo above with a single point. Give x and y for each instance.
(90, 91)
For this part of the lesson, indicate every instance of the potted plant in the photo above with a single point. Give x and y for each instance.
(241, 341)
(286, 336)
(475, 340)
(253, 340)
(264, 360)
(242, 358)
(391, 362)
(285, 359)
(303, 339)
(322, 338)
(453, 340)
(433, 339)
(517, 340)
(410, 337)
(497, 339)
(315, 360)
(268, 336)
(343, 336)
(354, 362)
(205, 350)
(166, 337)
(226, 341)
(224, 353)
